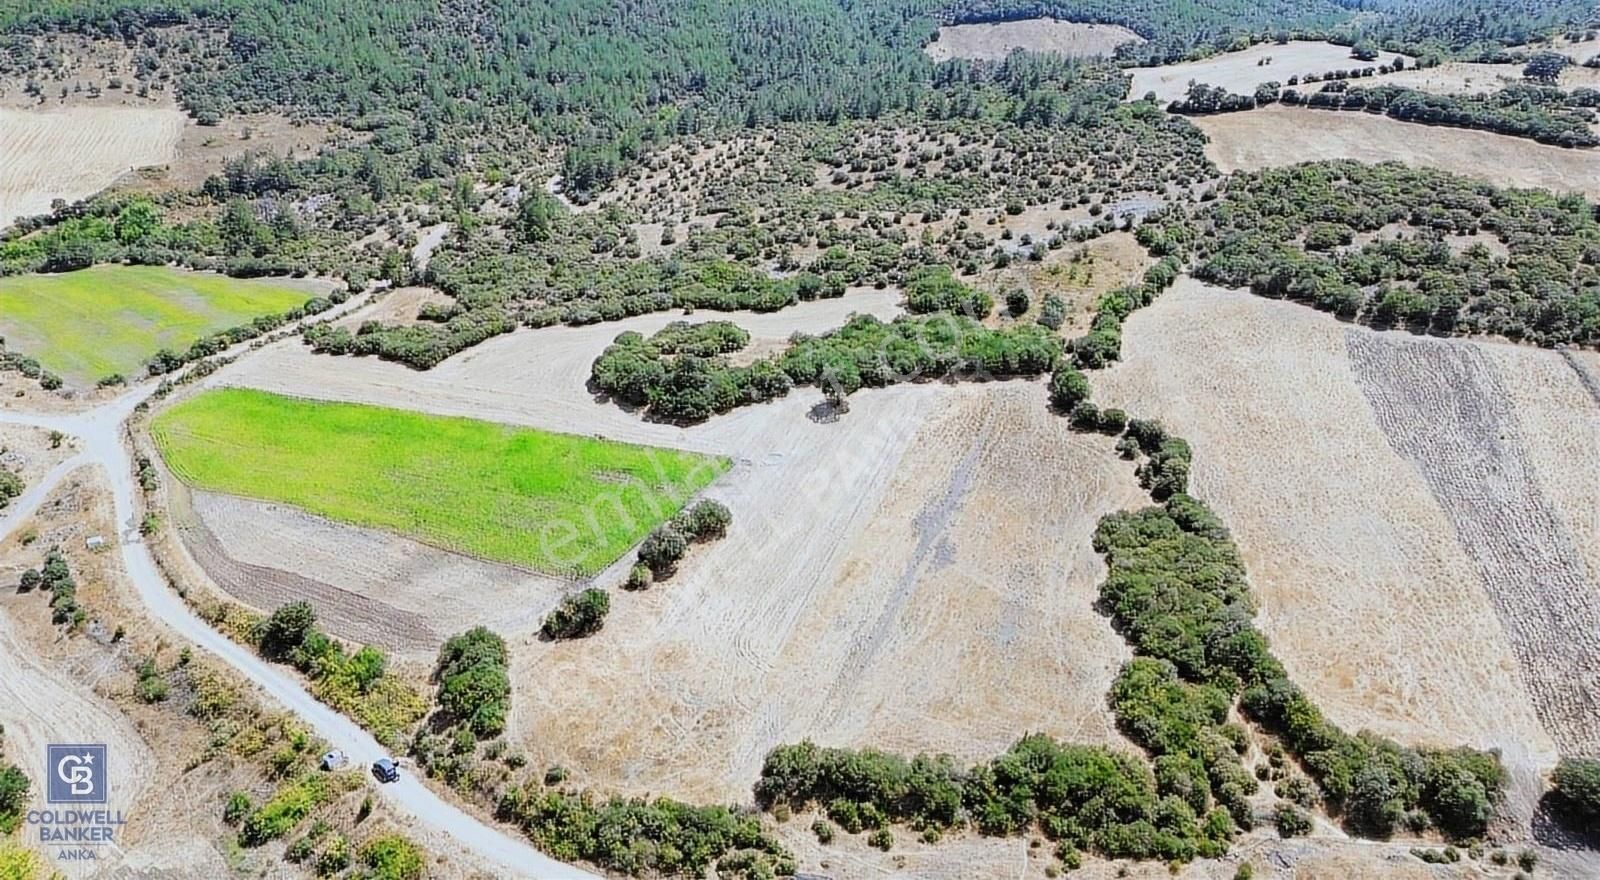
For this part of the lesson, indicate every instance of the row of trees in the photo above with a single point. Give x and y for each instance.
(1541, 113)
(865, 352)
(1086, 798)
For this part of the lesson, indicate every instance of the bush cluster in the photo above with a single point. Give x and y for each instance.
(1547, 291)
(1103, 343)
(360, 684)
(474, 685)
(665, 547)
(55, 576)
(1576, 792)
(865, 352)
(1084, 797)
(578, 614)
(660, 837)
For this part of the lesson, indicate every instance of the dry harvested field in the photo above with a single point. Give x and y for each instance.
(1243, 71)
(1416, 514)
(104, 143)
(936, 593)
(994, 41)
(1279, 135)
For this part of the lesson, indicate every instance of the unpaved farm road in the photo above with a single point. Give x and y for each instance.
(100, 432)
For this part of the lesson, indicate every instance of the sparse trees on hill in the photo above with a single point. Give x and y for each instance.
(1546, 67)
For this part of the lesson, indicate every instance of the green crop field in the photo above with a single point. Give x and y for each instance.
(557, 503)
(89, 324)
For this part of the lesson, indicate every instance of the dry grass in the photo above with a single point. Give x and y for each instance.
(1242, 71)
(1279, 135)
(994, 41)
(104, 142)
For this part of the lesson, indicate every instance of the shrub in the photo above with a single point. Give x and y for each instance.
(1068, 388)
(13, 797)
(391, 857)
(1576, 792)
(823, 830)
(663, 548)
(1017, 301)
(704, 521)
(1292, 821)
(579, 614)
(474, 687)
(934, 289)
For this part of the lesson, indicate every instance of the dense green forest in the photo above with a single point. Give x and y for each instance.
(610, 78)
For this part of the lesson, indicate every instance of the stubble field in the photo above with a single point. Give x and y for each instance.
(1279, 135)
(994, 41)
(104, 143)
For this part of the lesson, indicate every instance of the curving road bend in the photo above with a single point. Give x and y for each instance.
(100, 433)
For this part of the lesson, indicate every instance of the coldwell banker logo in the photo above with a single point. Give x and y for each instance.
(78, 773)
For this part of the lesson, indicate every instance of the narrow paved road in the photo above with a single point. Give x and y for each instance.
(100, 432)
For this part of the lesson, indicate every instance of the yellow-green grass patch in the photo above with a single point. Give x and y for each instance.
(556, 503)
(89, 324)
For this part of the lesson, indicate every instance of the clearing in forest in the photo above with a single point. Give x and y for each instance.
(993, 41)
(72, 153)
(88, 324)
(1242, 71)
(555, 503)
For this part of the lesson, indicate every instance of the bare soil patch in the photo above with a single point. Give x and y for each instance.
(1279, 135)
(104, 142)
(1370, 597)
(994, 41)
(1242, 71)
(367, 586)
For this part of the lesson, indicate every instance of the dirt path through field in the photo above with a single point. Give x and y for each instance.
(1442, 408)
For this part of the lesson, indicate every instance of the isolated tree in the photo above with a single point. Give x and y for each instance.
(578, 615)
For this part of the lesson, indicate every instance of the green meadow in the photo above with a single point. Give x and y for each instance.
(556, 503)
(89, 324)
